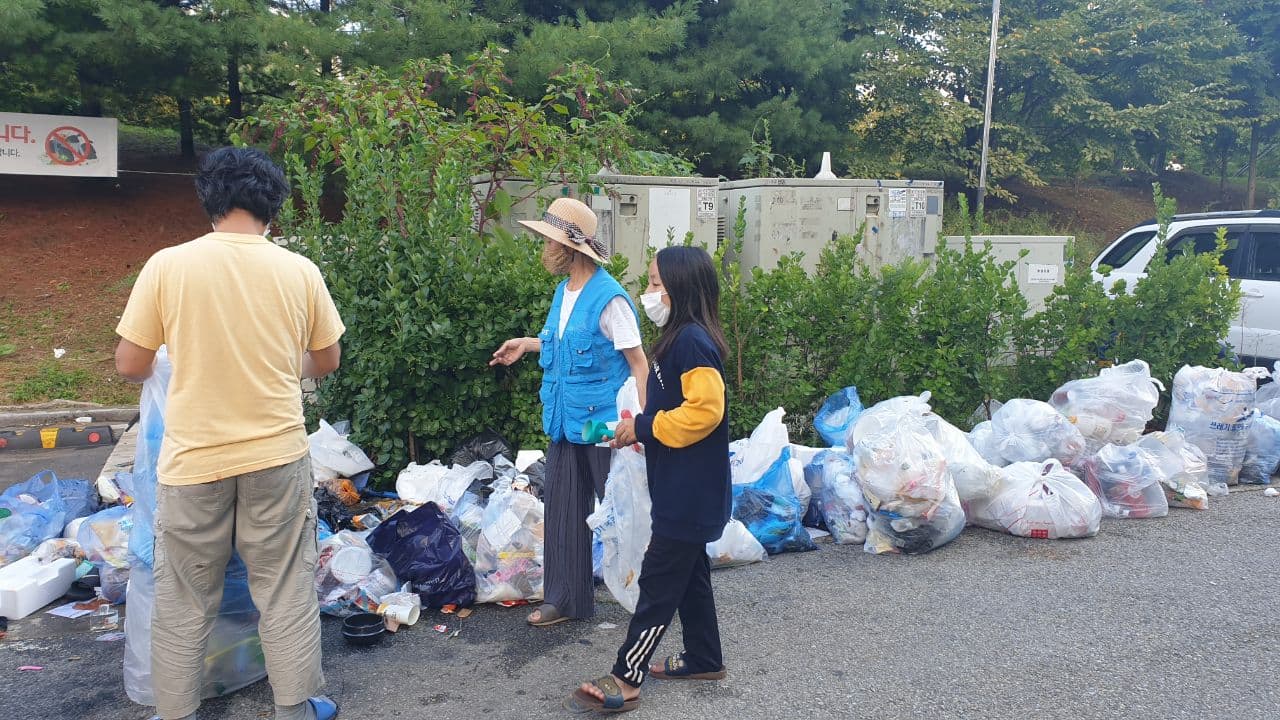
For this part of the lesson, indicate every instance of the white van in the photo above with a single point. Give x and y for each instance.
(1252, 257)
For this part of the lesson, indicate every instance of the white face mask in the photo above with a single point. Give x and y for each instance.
(658, 311)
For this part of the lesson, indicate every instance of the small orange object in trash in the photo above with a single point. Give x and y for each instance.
(449, 609)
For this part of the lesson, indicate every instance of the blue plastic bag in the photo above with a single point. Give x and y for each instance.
(38, 510)
(425, 550)
(771, 511)
(837, 415)
(1262, 453)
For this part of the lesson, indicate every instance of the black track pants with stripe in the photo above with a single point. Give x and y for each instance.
(675, 577)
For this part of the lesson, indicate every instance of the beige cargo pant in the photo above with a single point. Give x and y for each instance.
(270, 517)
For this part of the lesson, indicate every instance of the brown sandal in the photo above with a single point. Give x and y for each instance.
(580, 702)
(548, 615)
(674, 668)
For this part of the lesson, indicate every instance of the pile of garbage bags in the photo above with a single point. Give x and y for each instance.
(38, 509)
(510, 548)
(769, 496)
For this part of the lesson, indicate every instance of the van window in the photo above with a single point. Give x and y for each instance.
(1203, 240)
(1122, 253)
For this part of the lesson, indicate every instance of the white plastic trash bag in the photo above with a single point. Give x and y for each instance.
(903, 475)
(1033, 431)
(750, 458)
(983, 439)
(1040, 500)
(1185, 471)
(884, 415)
(1213, 409)
(624, 525)
(1128, 480)
(1113, 407)
(333, 456)
(975, 478)
(433, 482)
(737, 546)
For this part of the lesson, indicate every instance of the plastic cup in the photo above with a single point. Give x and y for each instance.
(403, 614)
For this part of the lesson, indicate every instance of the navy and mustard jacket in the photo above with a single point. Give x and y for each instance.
(685, 431)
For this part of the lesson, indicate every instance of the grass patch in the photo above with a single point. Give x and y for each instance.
(52, 382)
(7, 349)
(124, 283)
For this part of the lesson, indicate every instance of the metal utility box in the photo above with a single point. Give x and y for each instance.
(1043, 268)
(786, 215)
(635, 212)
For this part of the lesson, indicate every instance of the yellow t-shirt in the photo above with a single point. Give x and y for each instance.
(237, 313)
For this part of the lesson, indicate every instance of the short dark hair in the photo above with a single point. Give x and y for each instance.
(244, 178)
(690, 279)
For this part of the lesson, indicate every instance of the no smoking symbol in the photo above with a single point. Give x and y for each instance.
(69, 146)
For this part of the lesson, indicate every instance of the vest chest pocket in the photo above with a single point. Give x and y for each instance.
(581, 358)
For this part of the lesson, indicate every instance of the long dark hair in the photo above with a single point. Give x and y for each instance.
(689, 277)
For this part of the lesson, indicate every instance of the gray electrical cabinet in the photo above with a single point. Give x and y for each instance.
(636, 213)
(899, 218)
(1041, 270)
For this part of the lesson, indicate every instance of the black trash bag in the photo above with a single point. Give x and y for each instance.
(425, 550)
(537, 474)
(486, 446)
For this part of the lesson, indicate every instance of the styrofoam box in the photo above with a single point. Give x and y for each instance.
(27, 585)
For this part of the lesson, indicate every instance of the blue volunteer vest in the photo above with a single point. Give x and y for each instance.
(581, 371)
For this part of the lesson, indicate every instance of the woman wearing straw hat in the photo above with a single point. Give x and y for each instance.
(588, 347)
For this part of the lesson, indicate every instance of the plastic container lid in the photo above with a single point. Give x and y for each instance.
(350, 565)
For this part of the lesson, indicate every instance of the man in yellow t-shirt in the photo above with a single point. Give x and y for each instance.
(244, 320)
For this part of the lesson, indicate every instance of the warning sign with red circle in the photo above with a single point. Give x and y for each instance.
(69, 145)
(57, 145)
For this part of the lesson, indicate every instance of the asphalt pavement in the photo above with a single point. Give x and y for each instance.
(1161, 618)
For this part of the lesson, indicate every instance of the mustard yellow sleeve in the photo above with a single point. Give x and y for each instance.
(699, 414)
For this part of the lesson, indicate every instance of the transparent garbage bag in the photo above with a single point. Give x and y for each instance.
(911, 497)
(837, 497)
(975, 478)
(1112, 408)
(736, 546)
(624, 526)
(350, 577)
(983, 439)
(1262, 452)
(1033, 431)
(1213, 409)
(1129, 481)
(233, 658)
(1040, 500)
(433, 482)
(509, 553)
(1184, 469)
(104, 537)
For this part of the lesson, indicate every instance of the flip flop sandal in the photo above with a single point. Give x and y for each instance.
(547, 615)
(674, 668)
(580, 702)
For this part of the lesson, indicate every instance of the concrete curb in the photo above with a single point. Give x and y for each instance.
(14, 417)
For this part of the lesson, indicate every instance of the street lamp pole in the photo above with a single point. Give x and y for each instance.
(986, 111)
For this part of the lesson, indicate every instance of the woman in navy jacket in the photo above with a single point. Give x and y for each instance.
(685, 432)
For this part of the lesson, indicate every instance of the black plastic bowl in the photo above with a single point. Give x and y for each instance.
(363, 629)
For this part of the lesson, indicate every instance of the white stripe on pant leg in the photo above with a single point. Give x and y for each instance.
(645, 646)
(640, 641)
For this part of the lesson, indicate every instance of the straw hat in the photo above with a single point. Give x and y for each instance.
(570, 222)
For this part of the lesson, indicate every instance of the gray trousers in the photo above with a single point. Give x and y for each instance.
(270, 518)
(574, 481)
